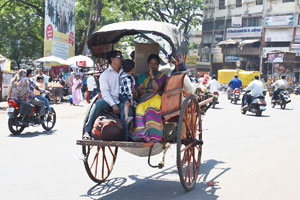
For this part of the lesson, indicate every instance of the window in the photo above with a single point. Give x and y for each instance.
(208, 26)
(259, 2)
(228, 23)
(238, 3)
(284, 1)
(250, 22)
(219, 24)
(221, 4)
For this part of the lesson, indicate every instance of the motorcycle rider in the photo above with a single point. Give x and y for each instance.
(213, 84)
(280, 85)
(256, 87)
(234, 83)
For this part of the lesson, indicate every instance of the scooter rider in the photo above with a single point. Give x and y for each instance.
(256, 87)
(280, 85)
(234, 83)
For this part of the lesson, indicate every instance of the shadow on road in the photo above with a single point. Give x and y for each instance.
(253, 115)
(33, 134)
(157, 186)
(283, 109)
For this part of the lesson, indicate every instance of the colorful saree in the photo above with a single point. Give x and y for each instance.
(148, 114)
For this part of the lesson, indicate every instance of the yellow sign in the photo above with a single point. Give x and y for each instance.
(191, 60)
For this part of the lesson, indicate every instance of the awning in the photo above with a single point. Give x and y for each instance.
(245, 42)
(229, 41)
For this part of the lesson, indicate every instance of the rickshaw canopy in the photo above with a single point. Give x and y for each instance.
(113, 32)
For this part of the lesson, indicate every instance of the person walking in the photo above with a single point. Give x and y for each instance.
(76, 90)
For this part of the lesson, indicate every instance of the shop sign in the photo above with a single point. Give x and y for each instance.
(216, 50)
(219, 36)
(191, 60)
(275, 57)
(244, 32)
(267, 50)
(296, 49)
(236, 21)
(231, 58)
(283, 20)
(218, 58)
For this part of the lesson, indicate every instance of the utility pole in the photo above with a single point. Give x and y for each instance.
(262, 38)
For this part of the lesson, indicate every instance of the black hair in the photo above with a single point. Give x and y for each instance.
(113, 54)
(128, 65)
(28, 71)
(132, 55)
(256, 77)
(214, 77)
(283, 77)
(153, 56)
(236, 76)
(39, 78)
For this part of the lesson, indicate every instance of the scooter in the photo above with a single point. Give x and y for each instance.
(282, 99)
(215, 99)
(235, 95)
(257, 105)
(24, 115)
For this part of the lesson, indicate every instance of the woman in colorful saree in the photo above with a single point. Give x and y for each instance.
(148, 114)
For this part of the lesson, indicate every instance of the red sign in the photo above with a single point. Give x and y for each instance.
(49, 32)
(81, 63)
(71, 38)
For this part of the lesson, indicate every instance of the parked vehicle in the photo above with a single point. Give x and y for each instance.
(18, 121)
(282, 99)
(257, 105)
(235, 95)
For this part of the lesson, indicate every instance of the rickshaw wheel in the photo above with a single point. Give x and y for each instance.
(98, 160)
(189, 143)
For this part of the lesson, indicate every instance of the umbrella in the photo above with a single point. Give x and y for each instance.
(82, 61)
(50, 59)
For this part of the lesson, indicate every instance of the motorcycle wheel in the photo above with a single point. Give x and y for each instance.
(243, 111)
(50, 120)
(258, 112)
(13, 128)
(283, 105)
(235, 101)
(296, 93)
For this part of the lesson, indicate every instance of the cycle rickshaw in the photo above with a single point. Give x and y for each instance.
(181, 112)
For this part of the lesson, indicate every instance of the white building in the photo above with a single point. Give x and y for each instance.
(247, 30)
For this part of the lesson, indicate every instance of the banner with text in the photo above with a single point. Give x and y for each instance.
(59, 37)
(244, 32)
(284, 20)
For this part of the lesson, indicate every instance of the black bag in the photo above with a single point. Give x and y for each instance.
(108, 128)
(26, 108)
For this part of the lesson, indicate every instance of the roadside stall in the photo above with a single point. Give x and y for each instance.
(280, 63)
(5, 77)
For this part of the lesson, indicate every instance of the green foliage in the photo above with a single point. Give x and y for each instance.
(21, 28)
(22, 22)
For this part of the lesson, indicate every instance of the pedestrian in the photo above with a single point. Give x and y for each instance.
(91, 86)
(76, 90)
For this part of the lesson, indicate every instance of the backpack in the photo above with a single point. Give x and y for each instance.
(108, 128)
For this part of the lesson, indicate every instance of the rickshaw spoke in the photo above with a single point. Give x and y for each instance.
(103, 163)
(187, 126)
(97, 162)
(194, 173)
(188, 146)
(198, 147)
(111, 152)
(96, 156)
(186, 173)
(104, 156)
(183, 159)
(192, 118)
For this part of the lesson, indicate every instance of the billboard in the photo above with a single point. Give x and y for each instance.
(59, 37)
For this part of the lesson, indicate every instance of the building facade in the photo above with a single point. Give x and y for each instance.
(242, 33)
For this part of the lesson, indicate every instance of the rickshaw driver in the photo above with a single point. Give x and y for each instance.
(109, 87)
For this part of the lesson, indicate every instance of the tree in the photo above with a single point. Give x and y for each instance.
(186, 14)
(22, 30)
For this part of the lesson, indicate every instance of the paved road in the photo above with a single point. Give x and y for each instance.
(249, 157)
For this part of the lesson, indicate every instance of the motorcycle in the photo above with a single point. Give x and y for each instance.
(282, 99)
(235, 95)
(18, 121)
(297, 90)
(257, 105)
(215, 99)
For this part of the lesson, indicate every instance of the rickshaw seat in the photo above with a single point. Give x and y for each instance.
(172, 96)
